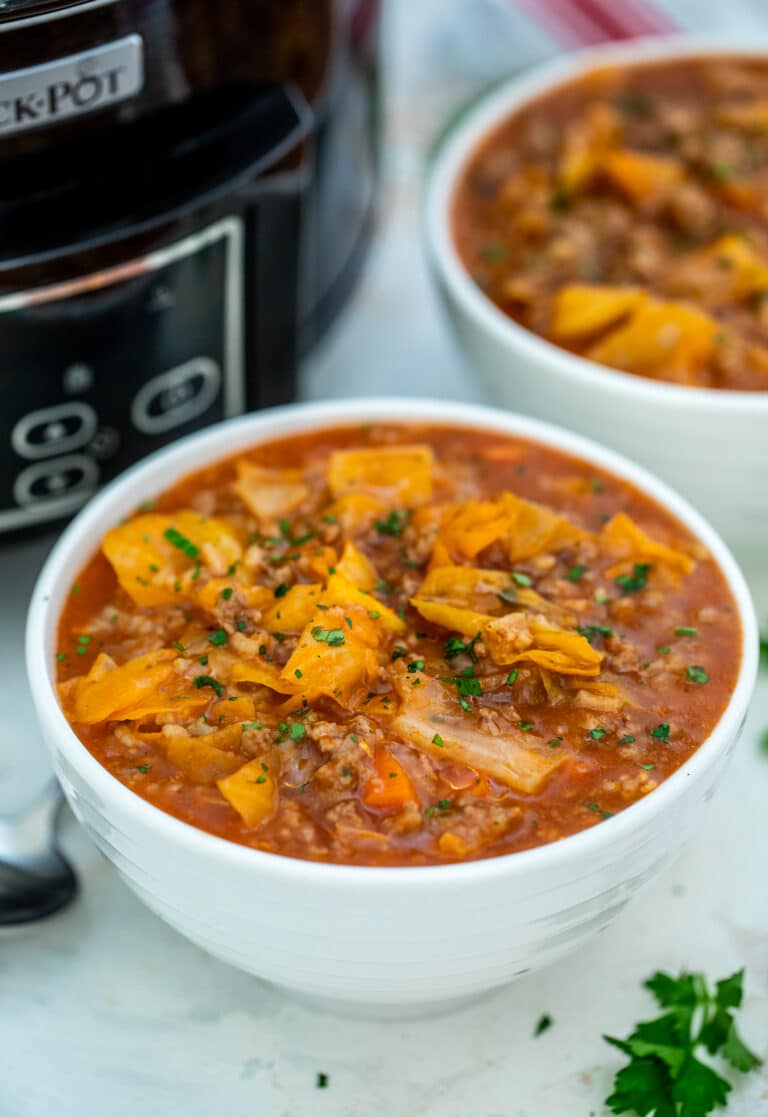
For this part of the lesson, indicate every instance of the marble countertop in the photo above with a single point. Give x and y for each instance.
(106, 1011)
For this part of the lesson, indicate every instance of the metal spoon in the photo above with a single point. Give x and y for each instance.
(35, 880)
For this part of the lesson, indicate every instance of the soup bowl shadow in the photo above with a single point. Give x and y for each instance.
(710, 444)
(370, 940)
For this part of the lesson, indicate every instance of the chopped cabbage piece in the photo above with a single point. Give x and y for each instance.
(400, 475)
(270, 493)
(251, 791)
(157, 558)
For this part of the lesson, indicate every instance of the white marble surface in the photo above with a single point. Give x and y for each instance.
(106, 1011)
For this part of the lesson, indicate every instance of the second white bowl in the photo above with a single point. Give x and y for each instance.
(709, 444)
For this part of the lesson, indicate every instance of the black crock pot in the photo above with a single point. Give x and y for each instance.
(185, 197)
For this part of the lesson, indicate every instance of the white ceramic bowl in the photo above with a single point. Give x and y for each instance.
(710, 445)
(370, 939)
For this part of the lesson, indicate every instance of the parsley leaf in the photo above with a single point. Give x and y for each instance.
(208, 680)
(642, 1087)
(696, 674)
(631, 583)
(591, 630)
(333, 637)
(455, 647)
(393, 525)
(664, 1076)
(176, 539)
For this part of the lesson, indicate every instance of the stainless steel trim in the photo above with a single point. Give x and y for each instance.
(46, 17)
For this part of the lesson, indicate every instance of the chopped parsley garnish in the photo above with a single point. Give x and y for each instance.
(632, 583)
(723, 172)
(455, 647)
(252, 725)
(208, 680)
(666, 1074)
(591, 630)
(661, 732)
(203, 661)
(598, 810)
(329, 518)
(321, 1081)
(227, 593)
(437, 740)
(218, 637)
(683, 631)
(597, 733)
(281, 590)
(627, 739)
(647, 767)
(298, 673)
(61, 656)
(466, 705)
(333, 637)
(511, 678)
(635, 103)
(576, 573)
(297, 731)
(82, 643)
(398, 653)
(664, 651)
(466, 683)
(374, 614)
(415, 665)
(521, 579)
(696, 674)
(177, 644)
(526, 726)
(493, 253)
(543, 1024)
(176, 539)
(143, 768)
(394, 523)
(553, 744)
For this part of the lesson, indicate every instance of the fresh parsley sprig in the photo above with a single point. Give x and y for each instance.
(664, 1076)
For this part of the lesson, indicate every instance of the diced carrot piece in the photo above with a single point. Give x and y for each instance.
(452, 845)
(390, 787)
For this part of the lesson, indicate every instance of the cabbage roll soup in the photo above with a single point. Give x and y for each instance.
(397, 645)
(623, 216)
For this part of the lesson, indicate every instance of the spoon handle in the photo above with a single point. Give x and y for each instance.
(28, 834)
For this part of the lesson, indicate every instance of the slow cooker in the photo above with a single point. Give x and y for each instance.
(185, 199)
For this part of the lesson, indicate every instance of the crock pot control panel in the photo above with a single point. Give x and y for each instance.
(115, 365)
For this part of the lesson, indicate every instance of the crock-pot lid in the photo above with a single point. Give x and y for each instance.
(144, 173)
